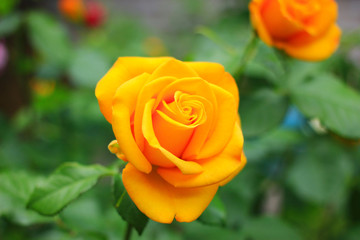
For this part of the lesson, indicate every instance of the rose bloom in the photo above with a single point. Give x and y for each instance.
(72, 9)
(304, 29)
(177, 125)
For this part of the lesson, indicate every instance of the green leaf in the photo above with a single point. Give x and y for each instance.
(15, 190)
(321, 173)
(126, 207)
(266, 64)
(9, 24)
(223, 43)
(65, 185)
(336, 105)
(275, 141)
(49, 38)
(261, 112)
(215, 213)
(269, 228)
(87, 67)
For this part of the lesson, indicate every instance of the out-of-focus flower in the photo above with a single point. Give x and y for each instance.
(95, 14)
(154, 47)
(72, 9)
(177, 125)
(304, 29)
(42, 87)
(3, 56)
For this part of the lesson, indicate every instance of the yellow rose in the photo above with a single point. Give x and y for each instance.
(304, 29)
(177, 125)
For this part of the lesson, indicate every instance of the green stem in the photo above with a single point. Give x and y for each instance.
(128, 232)
(248, 54)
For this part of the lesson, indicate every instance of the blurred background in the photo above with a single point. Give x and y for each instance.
(302, 180)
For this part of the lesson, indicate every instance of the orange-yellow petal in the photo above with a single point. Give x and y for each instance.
(215, 73)
(257, 21)
(173, 68)
(160, 201)
(149, 91)
(225, 118)
(229, 178)
(216, 169)
(123, 107)
(186, 167)
(277, 24)
(319, 49)
(123, 134)
(123, 69)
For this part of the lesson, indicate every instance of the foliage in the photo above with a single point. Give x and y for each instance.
(300, 121)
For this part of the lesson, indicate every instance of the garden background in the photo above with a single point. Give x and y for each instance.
(301, 120)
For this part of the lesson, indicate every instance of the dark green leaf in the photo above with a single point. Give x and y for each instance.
(261, 112)
(336, 105)
(215, 213)
(321, 174)
(7, 6)
(65, 185)
(126, 207)
(268, 228)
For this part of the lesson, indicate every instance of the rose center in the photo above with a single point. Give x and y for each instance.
(190, 107)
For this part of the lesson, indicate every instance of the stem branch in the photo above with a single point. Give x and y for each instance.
(248, 54)
(128, 232)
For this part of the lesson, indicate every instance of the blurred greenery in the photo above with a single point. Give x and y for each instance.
(300, 120)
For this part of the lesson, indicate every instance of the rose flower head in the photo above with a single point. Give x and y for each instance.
(304, 29)
(72, 9)
(177, 125)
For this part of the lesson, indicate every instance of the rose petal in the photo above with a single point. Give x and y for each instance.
(215, 73)
(225, 118)
(123, 108)
(186, 167)
(216, 169)
(123, 69)
(319, 49)
(162, 202)
(229, 178)
(173, 68)
(257, 21)
(278, 24)
(150, 90)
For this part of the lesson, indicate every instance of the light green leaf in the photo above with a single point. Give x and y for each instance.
(261, 112)
(223, 43)
(275, 141)
(336, 105)
(87, 67)
(269, 228)
(126, 207)
(15, 190)
(9, 24)
(65, 185)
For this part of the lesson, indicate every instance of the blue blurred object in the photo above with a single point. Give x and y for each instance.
(293, 119)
